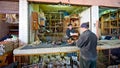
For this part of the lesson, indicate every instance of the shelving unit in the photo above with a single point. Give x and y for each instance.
(53, 26)
(75, 21)
(110, 23)
(54, 22)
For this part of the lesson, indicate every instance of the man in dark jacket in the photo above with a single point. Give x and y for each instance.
(69, 31)
(87, 43)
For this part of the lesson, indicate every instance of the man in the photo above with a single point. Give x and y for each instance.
(87, 43)
(71, 34)
(69, 31)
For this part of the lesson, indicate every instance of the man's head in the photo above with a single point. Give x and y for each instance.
(84, 26)
(70, 26)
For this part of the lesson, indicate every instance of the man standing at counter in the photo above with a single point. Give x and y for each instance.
(87, 43)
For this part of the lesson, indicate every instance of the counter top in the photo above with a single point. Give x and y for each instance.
(23, 50)
(108, 44)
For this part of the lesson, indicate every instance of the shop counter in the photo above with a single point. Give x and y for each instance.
(108, 44)
(66, 49)
(46, 48)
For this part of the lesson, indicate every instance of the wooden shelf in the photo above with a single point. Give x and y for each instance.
(110, 23)
(55, 26)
